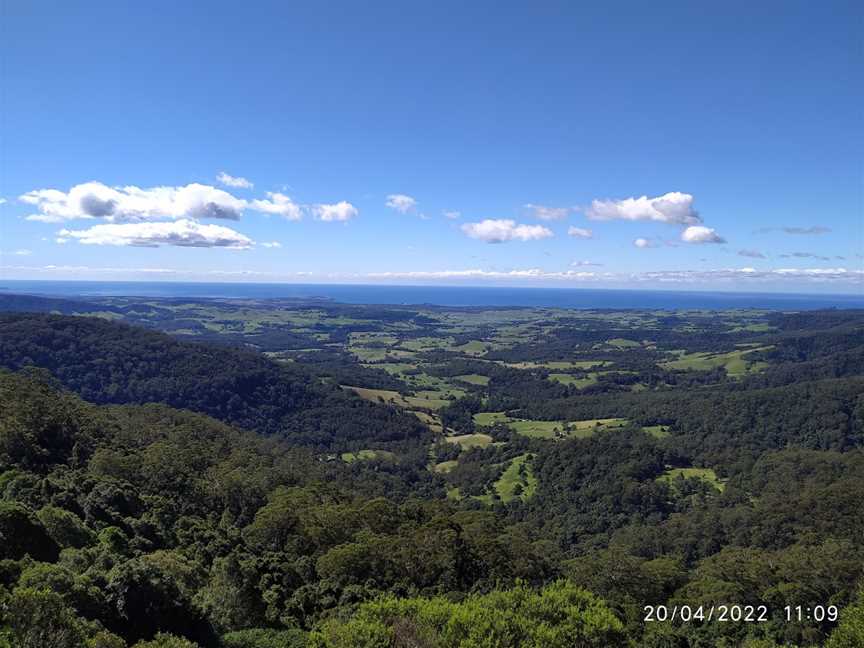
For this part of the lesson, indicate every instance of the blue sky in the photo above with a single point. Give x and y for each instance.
(684, 145)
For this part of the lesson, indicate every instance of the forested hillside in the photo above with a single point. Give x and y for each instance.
(109, 362)
(161, 493)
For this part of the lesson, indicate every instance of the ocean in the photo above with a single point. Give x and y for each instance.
(441, 295)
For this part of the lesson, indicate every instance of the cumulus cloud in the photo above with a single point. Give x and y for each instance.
(452, 215)
(501, 230)
(401, 203)
(753, 254)
(548, 213)
(272, 244)
(580, 232)
(674, 207)
(2, 201)
(132, 204)
(280, 204)
(341, 211)
(643, 243)
(701, 234)
(182, 233)
(232, 181)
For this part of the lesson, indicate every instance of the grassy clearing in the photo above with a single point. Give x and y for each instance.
(445, 466)
(568, 379)
(551, 429)
(427, 343)
(735, 362)
(431, 421)
(468, 441)
(365, 455)
(657, 431)
(559, 364)
(377, 395)
(395, 368)
(511, 478)
(367, 354)
(490, 418)
(705, 474)
(474, 379)
(621, 343)
(587, 427)
(754, 328)
(423, 400)
(473, 348)
(536, 429)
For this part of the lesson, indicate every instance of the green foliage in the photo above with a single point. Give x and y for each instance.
(105, 639)
(148, 593)
(64, 527)
(39, 618)
(850, 632)
(265, 638)
(558, 616)
(22, 534)
(106, 362)
(165, 640)
(127, 522)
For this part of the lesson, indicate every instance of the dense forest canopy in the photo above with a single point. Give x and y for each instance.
(180, 474)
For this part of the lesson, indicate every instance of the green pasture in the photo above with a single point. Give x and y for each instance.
(510, 478)
(735, 362)
(474, 379)
(360, 455)
(705, 474)
(467, 441)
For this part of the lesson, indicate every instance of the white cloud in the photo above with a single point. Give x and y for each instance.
(232, 181)
(805, 255)
(183, 233)
(2, 201)
(401, 203)
(701, 234)
(803, 231)
(272, 244)
(753, 254)
(132, 204)
(452, 215)
(807, 231)
(584, 264)
(580, 232)
(674, 207)
(543, 212)
(341, 211)
(643, 243)
(530, 273)
(280, 204)
(737, 276)
(501, 230)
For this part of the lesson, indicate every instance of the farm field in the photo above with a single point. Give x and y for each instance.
(736, 363)
(550, 429)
